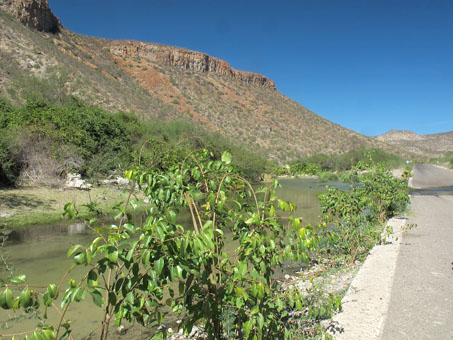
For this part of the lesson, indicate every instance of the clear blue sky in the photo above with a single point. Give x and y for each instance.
(368, 65)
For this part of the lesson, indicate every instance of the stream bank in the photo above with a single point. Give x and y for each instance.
(26, 206)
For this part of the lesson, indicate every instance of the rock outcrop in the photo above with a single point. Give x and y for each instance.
(185, 59)
(35, 14)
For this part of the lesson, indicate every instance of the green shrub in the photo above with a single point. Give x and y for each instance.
(345, 161)
(163, 144)
(100, 139)
(103, 142)
(9, 167)
(355, 212)
(327, 177)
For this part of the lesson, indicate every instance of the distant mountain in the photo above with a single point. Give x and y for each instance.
(42, 59)
(431, 144)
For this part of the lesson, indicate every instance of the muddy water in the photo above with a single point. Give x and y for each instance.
(40, 253)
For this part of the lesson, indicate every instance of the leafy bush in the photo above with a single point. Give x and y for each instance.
(100, 139)
(327, 177)
(355, 212)
(9, 167)
(346, 161)
(163, 264)
(90, 141)
(164, 144)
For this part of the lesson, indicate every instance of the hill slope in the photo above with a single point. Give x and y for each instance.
(42, 59)
(431, 144)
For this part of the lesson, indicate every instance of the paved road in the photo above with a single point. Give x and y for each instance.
(431, 176)
(421, 305)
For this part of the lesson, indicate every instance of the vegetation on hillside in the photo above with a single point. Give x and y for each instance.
(40, 143)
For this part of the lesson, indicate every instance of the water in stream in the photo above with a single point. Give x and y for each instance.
(40, 253)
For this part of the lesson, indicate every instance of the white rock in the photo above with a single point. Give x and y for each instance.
(76, 181)
(122, 181)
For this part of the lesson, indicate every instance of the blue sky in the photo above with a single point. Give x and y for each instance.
(368, 65)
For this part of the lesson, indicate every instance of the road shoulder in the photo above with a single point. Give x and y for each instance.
(367, 300)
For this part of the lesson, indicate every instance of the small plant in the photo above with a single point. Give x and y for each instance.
(407, 172)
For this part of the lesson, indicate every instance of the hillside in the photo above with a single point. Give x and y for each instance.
(43, 60)
(430, 144)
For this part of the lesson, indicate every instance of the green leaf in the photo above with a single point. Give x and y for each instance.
(52, 290)
(98, 299)
(160, 233)
(3, 300)
(6, 299)
(280, 305)
(88, 256)
(283, 205)
(25, 298)
(247, 328)
(272, 211)
(133, 203)
(48, 334)
(158, 266)
(112, 254)
(242, 268)
(18, 279)
(69, 211)
(79, 294)
(80, 258)
(302, 233)
(171, 216)
(36, 336)
(92, 279)
(226, 157)
(47, 299)
(130, 298)
(73, 249)
(146, 257)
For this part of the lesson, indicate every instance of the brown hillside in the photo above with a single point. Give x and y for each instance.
(431, 144)
(159, 81)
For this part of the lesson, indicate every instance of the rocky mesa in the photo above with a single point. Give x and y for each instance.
(184, 59)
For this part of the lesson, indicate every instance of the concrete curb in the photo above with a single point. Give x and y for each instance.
(367, 300)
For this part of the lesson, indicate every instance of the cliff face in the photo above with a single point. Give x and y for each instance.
(185, 59)
(35, 14)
